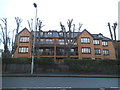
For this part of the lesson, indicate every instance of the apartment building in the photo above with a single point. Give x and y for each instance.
(118, 48)
(81, 45)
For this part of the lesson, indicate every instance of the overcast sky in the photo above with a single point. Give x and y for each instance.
(93, 14)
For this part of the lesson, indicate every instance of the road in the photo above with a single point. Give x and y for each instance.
(58, 82)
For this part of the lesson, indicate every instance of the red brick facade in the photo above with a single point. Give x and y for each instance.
(87, 50)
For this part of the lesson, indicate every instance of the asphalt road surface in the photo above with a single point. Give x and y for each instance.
(59, 82)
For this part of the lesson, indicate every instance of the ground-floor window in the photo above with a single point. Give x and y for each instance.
(97, 51)
(105, 52)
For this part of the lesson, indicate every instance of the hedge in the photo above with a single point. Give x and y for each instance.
(27, 60)
(93, 66)
(75, 65)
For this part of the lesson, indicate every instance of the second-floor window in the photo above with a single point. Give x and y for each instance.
(61, 41)
(23, 49)
(24, 39)
(42, 41)
(85, 40)
(86, 50)
(49, 41)
(96, 42)
(104, 43)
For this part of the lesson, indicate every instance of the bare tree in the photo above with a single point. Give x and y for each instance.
(18, 22)
(113, 37)
(39, 25)
(14, 44)
(5, 38)
(38, 33)
(30, 24)
(69, 36)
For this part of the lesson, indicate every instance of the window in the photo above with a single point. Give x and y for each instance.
(100, 35)
(49, 51)
(72, 51)
(41, 51)
(86, 50)
(104, 43)
(105, 52)
(49, 41)
(42, 41)
(23, 49)
(24, 39)
(61, 41)
(96, 42)
(85, 40)
(75, 43)
(97, 51)
(60, 51)
(61, 33)
(49, 33)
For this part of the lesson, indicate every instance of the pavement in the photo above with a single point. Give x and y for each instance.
(58, 75)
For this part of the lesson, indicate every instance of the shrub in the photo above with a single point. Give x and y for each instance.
(16, 60)
(93, 66)
(44, 60)
(28, 60)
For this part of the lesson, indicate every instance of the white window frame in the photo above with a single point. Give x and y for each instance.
(105, 43)
(61, 41)
(97, 51)
(96, 42)
(24, 39)
(49, 33)
(86, 50)
(61, 34)
(105, 52)
(85, 40)
(23, 50)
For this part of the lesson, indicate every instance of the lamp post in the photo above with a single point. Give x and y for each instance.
(33, 48)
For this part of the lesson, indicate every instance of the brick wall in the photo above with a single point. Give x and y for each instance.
(25, 33)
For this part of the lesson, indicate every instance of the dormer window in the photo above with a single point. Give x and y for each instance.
(61, 33)
(49, 33)
(100, 35)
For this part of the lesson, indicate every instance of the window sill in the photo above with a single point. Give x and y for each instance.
(22, 52)
(85, 43)
(86, 53)
(23, 42)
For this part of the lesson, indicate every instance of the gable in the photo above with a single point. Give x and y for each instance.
(24, 32)
(85, 33)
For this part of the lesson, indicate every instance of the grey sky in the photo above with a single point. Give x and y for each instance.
(93, 14)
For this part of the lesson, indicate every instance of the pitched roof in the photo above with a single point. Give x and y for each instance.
(23, 30)
(56, 34)
(96, 36)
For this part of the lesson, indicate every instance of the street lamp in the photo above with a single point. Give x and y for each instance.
(33, 48)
